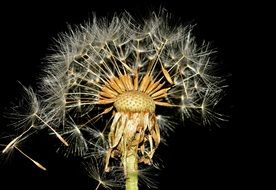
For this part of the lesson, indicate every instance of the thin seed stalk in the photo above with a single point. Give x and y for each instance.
(131, 170)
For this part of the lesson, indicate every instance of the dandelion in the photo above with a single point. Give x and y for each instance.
(105, 88)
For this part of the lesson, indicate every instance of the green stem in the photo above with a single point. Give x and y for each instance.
(131, 167)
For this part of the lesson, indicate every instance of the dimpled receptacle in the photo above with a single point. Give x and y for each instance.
(134, 101)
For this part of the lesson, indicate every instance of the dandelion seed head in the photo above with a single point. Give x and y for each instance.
(105, 90)
(125, 71)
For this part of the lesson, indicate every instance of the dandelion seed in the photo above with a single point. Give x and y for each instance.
(32, 160)
(10, 145)
(95, 171)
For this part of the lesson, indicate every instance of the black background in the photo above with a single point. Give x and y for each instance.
(197, 157)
